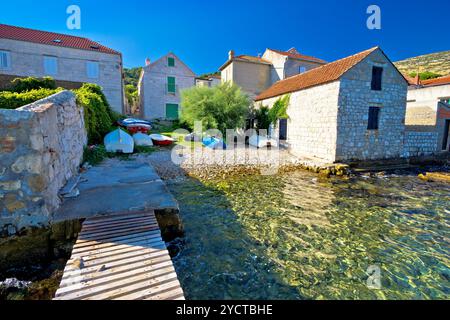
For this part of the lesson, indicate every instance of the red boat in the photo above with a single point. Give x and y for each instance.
(160, 140)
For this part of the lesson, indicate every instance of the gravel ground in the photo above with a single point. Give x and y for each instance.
(210, 164)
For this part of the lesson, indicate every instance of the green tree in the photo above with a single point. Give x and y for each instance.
(222, 107)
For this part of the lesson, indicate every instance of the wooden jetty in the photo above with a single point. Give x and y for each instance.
(120, 257)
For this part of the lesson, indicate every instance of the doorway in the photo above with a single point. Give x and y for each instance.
(445, 144)
(283, 130)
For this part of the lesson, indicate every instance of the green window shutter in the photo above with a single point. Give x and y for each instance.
(171, 85)
(171, 62)
(172, 111)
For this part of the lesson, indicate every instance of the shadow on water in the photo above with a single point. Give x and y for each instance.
(293, 236)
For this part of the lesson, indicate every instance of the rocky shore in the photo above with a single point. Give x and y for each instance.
(218, 164)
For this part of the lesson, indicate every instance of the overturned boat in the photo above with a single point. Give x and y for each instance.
(142, 140)
(214, 143)
(119, 141)
(160, 140)
(135, 125)
(262, 142)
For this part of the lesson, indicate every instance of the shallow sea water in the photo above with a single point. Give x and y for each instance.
(293, 236)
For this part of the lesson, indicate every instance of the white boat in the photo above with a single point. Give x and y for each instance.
(262, 142)
(119, 141)
(141, 139)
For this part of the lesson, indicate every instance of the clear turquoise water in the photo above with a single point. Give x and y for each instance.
(292, 236)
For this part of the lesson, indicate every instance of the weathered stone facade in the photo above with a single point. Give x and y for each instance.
(41, 148)
(254, 74)
(27, 60)
(330, 121)
(355, 141)
(419, 143)
(153, 86)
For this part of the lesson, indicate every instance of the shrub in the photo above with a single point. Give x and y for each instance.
(98, 116)
(30, 83)
(14, 100)
(261, 114)
(221, 107)
(94, 155)
(279, 109)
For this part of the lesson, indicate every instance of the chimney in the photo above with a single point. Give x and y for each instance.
(230, 54)
(147, 61)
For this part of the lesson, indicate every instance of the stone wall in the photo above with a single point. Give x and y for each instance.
(27, 60)
(420, 143)
(355, 141)
(41, 147)
(312, 123)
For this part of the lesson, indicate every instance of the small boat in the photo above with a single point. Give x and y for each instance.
(119, 141)
(193, 137)
(141, 139)
(262, 142)
(136, 125)
(160, 140)
(214, 143)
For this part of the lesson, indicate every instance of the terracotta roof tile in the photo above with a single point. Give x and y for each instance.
(318, 76)
(53, 39)
(437, 81)
(293, 53)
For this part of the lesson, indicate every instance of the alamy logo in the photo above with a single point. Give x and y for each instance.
(374, 20)
(74, 20)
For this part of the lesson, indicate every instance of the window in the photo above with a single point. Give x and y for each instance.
(301, 69)
(374, 117)
(171, 85)
(377, 77)
(5, 60)
(50, 65)
(171, 111)
(171, 62)
(92, 68)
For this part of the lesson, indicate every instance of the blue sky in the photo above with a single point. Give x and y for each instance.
(201, 32)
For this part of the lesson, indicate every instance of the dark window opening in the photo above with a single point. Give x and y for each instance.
(377, 77)
(374, 117)
(446, 136)
(283, 129)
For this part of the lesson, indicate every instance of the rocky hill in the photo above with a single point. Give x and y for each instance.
(438, 62)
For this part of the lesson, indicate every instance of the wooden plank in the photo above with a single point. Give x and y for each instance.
(126, 230)
(107, 219)
(110, 273)
(120, 257)
(81, 244)
(121, 233)
(108, 247)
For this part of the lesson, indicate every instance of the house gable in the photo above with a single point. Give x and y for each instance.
(161, 66)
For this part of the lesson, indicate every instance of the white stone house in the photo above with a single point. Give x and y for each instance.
(160, 85)
(209, 81)
(350, 109)
(428, 116)
(69, 60)
(256, 74)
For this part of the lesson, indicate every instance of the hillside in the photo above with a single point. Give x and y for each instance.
(438, 63)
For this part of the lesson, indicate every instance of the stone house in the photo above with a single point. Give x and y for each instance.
(350, 109)
(256, 74)
(209, 81)
(428, 116)
(69, 60)
(160, 85)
